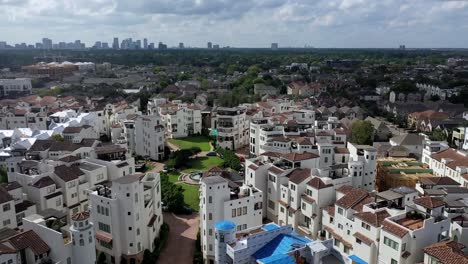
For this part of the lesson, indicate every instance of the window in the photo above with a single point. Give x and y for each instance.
(365, 226)
(271, 178)
(244, 210)
(104, 227)
(304, 206)
(210, 216)
(239, 211)
(271, 204)
(282, 209)
(210, 232)
(309, 192)
(391, 243)
(81, 242)
(6, 207)
(340, 210)
(293, 187)
(393, 261)
(6, 222)
(233, 212)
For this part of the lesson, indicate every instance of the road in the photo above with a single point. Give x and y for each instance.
(180, 246)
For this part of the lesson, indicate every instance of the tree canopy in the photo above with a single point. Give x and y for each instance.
(362, 133)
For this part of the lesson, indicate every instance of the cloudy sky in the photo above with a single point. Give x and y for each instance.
(241, 23)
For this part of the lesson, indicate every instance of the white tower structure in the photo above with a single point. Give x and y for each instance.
(225, 233)
(84, 246)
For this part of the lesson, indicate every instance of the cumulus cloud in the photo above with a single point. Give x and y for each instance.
(246, 23)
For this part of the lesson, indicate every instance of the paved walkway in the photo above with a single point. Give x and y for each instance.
(180, 246)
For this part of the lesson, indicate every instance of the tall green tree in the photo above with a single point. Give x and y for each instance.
(362, 133)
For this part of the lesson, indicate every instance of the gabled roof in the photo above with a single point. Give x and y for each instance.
(438, 181)
(447, 252)
(456, 159)
(68, 173)
(429, 202)
(4, 196)
(352, 198)
(317, 183)
(31, 240)
(394, 228)
(13, 185)
(43, 182)
(372, 218)
(408, 139)
(299, 175)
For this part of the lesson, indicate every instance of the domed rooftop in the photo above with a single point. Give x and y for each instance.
(80, 216)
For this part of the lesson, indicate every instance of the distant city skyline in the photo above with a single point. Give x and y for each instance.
(293, 23)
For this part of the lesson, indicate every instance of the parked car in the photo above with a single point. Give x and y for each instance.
(167, 169)
(211, 154)
(186, 210)
(165, 208)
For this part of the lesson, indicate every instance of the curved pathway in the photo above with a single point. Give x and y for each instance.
(180, 246)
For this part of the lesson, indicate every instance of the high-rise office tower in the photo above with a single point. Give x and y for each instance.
(47, 43)
(115, 44)
(181, 45)
(145, 43)
(209, 45)
(274, 46)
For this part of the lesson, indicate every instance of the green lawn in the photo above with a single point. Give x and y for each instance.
(196, 141)
(203, 163)
(191, 197)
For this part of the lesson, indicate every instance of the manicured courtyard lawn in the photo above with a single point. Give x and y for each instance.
(173, 176)
(203, 163)
(196, 141)
(191, 197)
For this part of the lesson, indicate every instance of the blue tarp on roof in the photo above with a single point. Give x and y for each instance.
(225, 225)
(357, 259)
(278, 259)
(280, 246)
(270, 227)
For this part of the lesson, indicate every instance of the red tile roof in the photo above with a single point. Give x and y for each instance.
(318, 184)
(447, 252)
(275, 170)
(372, 218)
(352, 198)
(394, 228)
(31, 240)
(457, 159)
(299, 175)
(80, 216)
(307, 198)
(429, 202)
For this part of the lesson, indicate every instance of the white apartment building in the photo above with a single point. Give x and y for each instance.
(180, 119)
(127, 217)
(446, 161)
(14, 205)
(232, 127)
(15, 86)
(69, 244)
(148, 137)
(404, 236)
(355, 220)
(220, 200)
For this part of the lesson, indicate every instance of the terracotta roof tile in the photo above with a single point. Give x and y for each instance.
(352, 198)
(372, 218)
(429, 202)
(318, 184)
(31, 240)
(299, 175)
(447, 252)
(307, 198)
(394, 228)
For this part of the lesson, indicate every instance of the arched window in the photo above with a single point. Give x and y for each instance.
(81, 242)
